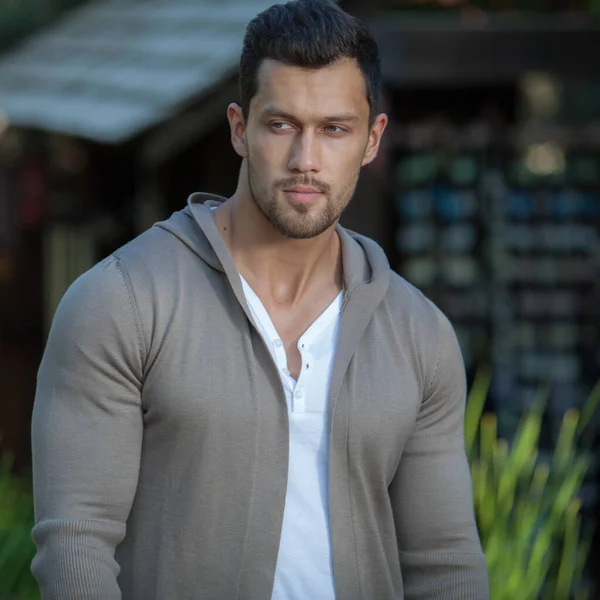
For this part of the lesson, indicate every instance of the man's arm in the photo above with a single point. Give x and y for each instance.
(86, 436)
(440, 551)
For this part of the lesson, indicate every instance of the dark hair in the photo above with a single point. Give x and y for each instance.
(311, 34)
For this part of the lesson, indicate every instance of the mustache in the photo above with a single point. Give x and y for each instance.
(288, 182)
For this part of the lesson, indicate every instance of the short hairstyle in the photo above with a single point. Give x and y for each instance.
(310, 34)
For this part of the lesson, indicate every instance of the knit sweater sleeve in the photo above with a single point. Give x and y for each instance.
(86, 436)
(440, 552)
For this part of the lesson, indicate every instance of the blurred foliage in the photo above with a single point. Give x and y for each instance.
(528, 510)
(16, 546)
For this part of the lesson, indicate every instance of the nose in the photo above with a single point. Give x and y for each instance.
(305, 154)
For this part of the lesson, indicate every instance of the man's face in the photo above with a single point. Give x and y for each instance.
(307, 137)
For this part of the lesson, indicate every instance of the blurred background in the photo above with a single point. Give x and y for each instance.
(486, 196)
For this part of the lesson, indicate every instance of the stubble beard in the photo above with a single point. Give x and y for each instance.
(294, 221)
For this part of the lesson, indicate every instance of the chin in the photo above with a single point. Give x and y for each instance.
(302, 228)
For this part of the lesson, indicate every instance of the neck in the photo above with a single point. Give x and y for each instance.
(281, 268)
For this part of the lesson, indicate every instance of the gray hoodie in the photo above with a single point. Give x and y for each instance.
(160, 434)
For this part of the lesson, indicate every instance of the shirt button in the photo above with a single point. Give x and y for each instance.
(299, 394)
(278, 343)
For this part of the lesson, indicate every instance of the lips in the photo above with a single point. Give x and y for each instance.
(302, 194)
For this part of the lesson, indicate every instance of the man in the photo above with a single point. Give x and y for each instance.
(245, 402)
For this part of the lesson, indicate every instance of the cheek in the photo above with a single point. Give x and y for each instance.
(267, 158)
(345, 164)
(348, 153)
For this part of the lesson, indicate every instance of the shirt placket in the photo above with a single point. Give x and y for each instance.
(281, 362)
(300, 393)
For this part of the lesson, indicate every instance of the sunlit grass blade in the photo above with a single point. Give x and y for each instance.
(569, 552)
(589, 409)
(474, 408)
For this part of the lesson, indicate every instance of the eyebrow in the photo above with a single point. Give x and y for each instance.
(340, 118)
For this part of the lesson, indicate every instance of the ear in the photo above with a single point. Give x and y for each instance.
(375, 136)
(237, 124)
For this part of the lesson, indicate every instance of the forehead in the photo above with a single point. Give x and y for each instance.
(339, 88)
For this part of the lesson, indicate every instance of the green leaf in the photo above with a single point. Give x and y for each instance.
(568, 561)
(474, 408)
(16, 546)
(590, 407)
(565, 445)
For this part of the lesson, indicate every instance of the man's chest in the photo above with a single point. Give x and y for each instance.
(214, 378)
(297, 332)
(304, 361)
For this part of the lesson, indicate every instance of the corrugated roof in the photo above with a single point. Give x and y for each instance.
(111, 69)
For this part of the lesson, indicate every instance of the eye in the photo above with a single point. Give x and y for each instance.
(279, 126)
(334, 129)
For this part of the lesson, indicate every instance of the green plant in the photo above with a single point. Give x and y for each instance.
(528, 510)
(16, 546)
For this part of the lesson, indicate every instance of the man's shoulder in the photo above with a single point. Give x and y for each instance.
(414, 312)
(153, 246)
(406, 297)
(164, 252)
(421, 326)
(109, 283)
(150, 266)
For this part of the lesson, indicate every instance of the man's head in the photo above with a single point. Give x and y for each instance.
(310, 80)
